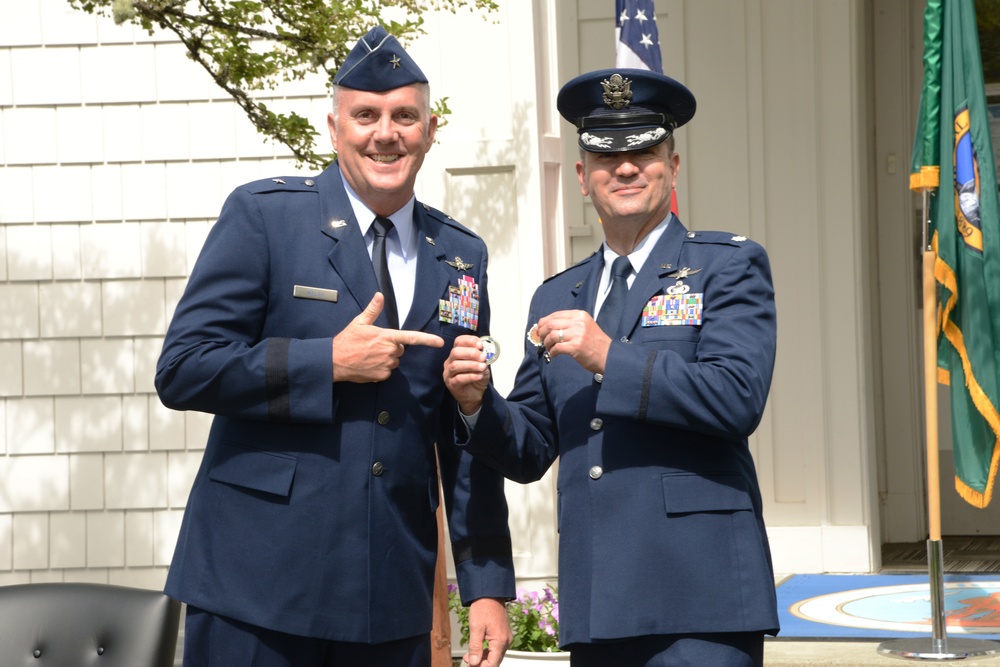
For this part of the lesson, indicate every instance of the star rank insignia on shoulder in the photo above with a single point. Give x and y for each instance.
(459, 265)
(739, 238)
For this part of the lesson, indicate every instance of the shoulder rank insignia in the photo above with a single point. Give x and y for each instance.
(739, 239)
(681, 274)
(459, 264)
(278, 181)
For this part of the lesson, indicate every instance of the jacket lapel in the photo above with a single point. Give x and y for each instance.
(585, 291)
(433, 275)
(652, 279)
(349, 255)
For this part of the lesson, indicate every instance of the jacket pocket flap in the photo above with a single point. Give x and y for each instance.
(269, 472)
(688, 493)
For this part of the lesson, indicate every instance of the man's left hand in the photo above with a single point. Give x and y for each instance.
(488, 622)
(574, 332)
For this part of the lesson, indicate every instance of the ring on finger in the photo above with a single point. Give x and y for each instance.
(561, 332)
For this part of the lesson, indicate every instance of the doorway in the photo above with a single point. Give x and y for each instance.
(897, 77)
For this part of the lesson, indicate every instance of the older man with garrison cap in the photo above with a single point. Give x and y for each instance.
(314, 327)
(647, 367)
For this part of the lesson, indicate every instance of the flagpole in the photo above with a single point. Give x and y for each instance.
(938, 646)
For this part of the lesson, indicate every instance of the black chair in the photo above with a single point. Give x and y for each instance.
(79, 625)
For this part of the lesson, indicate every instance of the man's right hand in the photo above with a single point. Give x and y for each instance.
(363, 352)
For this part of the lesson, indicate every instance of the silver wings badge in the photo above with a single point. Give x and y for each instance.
(683, 273)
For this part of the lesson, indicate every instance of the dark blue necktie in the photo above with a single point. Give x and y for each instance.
(611, 310)
(381, 228)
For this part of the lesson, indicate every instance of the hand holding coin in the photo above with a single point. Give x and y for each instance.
(466, 371)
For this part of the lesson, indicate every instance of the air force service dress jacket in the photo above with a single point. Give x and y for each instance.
(659, 506)
(313, 512)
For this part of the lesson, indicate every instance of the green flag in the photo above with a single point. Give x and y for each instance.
(953, 130)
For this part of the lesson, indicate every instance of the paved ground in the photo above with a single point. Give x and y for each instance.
(787, 653)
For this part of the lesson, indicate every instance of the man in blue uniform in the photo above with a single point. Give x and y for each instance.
(310, 538)
(648, 367)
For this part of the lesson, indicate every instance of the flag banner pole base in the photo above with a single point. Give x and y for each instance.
(928, 648)
(938, 646)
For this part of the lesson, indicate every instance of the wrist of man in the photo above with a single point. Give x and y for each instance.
(470, 410)
(470, 419)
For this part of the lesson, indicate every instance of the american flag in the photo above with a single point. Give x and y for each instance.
(638, 42)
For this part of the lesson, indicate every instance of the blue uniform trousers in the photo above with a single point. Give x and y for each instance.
(723, 649)
(216, 641)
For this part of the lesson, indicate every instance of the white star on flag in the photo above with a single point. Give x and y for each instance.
(638, 44)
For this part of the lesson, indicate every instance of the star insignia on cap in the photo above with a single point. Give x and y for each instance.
(459, 264)
(681, 274)
(394, 61)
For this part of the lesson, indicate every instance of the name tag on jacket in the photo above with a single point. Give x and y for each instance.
(317, 293)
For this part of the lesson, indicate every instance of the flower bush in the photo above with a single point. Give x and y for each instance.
(533, 616)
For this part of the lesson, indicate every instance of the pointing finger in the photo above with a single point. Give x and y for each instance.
(407, 337)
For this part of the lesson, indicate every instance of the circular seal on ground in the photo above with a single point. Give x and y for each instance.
(491, 347)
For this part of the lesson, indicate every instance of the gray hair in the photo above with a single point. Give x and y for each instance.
(423, 86)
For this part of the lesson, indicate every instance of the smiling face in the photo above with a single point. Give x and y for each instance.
(630, 190)
(381, 139)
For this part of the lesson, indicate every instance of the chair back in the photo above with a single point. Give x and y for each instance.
(80, 625)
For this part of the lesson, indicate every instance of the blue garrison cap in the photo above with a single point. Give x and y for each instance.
(617, 110)
(378, 63)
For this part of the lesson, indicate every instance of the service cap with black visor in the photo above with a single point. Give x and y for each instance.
(618, 110)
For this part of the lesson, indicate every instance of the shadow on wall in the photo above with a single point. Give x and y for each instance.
(484, 198)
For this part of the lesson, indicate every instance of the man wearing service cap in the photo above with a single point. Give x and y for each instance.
(646, 368)
(314, 327)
